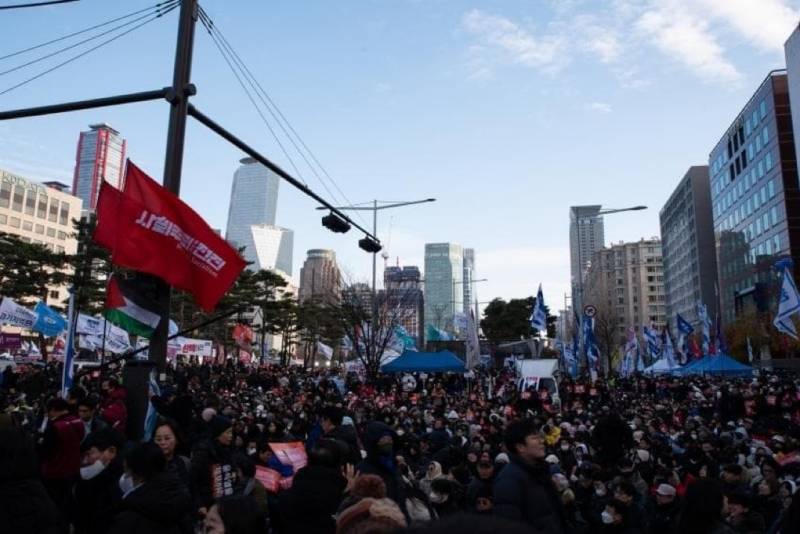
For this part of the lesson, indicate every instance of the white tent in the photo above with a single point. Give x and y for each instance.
(661, 366)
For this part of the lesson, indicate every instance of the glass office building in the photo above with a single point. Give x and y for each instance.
(754, 193)
(444, 266)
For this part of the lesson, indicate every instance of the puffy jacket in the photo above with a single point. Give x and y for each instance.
(159, 506)
(61, 450)
(347, 435)
(211, 472)
(525, 493)
(96, 499)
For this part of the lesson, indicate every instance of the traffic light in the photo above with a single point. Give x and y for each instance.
(370, 245)
(334, 223)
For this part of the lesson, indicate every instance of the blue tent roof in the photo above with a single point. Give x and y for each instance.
(721, 364)
(431, 362)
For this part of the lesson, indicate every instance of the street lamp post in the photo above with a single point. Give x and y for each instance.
(580, 261)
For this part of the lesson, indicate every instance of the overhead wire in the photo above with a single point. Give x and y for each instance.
(277, 114)
(88, 39)
(233, 69)
(38, 4)
(90, 28)
(85, 52)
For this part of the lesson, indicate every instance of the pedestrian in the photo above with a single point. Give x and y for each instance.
(153, 500)
(523, 490)
(212, 464)
(702, 509)
(96, 493)
(61, 452)
(380, 440)
(235, 515)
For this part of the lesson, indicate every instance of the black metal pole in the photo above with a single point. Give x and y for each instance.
(173, 161)
(78, 105)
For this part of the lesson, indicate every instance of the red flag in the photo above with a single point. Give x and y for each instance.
(164, 237)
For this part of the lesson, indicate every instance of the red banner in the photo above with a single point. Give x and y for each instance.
(151, 230)
(292, 453)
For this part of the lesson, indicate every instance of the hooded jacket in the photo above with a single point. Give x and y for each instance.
(158, 506)
(383, 465)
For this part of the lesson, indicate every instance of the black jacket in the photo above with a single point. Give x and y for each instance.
(347, 435)
(159, 506)
(383, 466)
(525, 493)
(96, 499)
(309, 505)
(664, 518)
(25, 508)
(207, 457)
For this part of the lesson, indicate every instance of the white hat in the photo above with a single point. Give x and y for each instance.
(502, 458)
(552, 459)
(452, 415)
(666, 490)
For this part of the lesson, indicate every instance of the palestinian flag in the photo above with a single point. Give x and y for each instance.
(129, 309)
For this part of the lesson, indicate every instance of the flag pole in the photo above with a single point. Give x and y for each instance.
(69, 352)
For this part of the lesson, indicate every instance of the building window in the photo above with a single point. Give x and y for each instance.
(62, 235)
(773, 211)
(51, 232)
(39, 229)
(41, 211)
(776, 242)
(5, 194)
(27, 225)
(765, 136)
(3, 219)
(63, 217)
(19, 194)
(768, 160)
(53, 217)
(30, 203)
(53, 294)
(771, 188)
(14, 222)
(59, 249)
(762, 108)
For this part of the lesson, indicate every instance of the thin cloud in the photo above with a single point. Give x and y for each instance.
(599, 107)
(687, 39)
(766, 24)
(516, 43)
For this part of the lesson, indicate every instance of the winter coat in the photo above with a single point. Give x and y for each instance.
(308, 506)
(159, 506)
(525, 493)
(95, 500)
(114, 410)
(664, 518)
(383, 466)
(25, 508)
(347, 435)
(61, 449)
(212, 472)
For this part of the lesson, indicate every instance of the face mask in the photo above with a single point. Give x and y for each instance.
(565, 447)
(600, 492)
(125, 484)
(90, 471)
(607, 518)
(251, 451)
(386, 448)
(437, 498)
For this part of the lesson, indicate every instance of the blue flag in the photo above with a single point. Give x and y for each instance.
(69, 353)
(684, 327)
(48, 321)
(538, 314)
(151, 418)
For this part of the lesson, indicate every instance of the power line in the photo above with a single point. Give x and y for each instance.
(84, 41)
(64, 37)
(38, 4)
(280, 118)
(73, 58)
(252, 100)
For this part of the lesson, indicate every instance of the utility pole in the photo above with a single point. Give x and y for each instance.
(173, 162)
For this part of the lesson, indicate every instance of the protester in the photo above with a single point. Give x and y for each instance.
(97, 493)
(61, 452)
(235, 515)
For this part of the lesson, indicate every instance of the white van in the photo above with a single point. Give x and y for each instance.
(542, 375)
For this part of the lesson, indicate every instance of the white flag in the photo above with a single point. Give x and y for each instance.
(473, 344)
(539, 314)
(13, 314)
(788, 305)
(325, 350)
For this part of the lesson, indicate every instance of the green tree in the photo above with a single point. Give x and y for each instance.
(510, 321)
(91, 266)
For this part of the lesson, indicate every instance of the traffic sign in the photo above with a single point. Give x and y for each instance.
(589, 310)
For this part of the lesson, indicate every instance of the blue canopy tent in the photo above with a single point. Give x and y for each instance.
(429, 362)
(721, 364)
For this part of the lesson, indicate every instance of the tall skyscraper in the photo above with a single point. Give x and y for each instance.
(756, 200)
(403, 292)
(586, 236)
(320, 277)
(251, 219)
(444, 294)
(467, 278)
(687, 244)
(100, 156)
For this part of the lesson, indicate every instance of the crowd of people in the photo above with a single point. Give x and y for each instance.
(414, 453)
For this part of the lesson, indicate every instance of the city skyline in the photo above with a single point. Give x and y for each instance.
(462, 56)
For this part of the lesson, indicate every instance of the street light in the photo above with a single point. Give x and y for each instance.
(371, 245)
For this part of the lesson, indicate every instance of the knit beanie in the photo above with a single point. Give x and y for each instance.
(218, 425)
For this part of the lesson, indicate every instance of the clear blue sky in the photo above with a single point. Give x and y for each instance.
(507, 111)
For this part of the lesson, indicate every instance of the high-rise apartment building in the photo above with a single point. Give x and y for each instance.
(687, 244)
(586, 236)
(467, 279)
(403, 293)
(320, 277)
(251, 219)
(444, 295)
(755, 200)
(100, 156)
(41, 214)
(625, 282)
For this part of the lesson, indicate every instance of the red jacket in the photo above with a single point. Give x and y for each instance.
(114, 411)
(61, 457)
